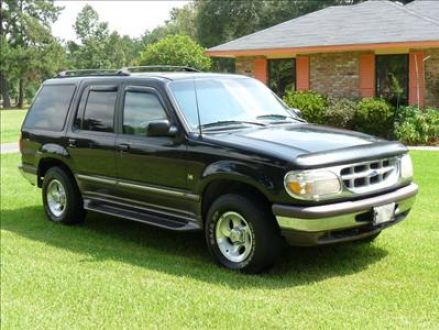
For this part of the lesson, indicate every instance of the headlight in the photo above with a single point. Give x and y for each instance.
(312, 185)
(406, 167)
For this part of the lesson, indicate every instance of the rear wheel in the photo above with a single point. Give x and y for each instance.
(61, 197)
(242, 233)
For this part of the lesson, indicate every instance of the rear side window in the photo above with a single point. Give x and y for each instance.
(49, 109)
(99, 111)
(140, 109)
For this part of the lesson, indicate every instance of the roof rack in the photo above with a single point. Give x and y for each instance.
(157, 68)
(126, 71)
(91, 72)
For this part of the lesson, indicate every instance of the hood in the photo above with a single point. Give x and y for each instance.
(308, 145)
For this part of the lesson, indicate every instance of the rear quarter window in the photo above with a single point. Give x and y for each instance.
(49, 110)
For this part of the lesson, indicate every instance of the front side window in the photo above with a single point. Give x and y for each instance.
(141, 108)
(50, 108)
(226, 100)
(282, 75)
(392, 78)
(99, 111)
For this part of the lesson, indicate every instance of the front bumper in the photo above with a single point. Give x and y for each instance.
(338, 222)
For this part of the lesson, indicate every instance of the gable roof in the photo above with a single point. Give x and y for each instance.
(429, 9)
(370, 22)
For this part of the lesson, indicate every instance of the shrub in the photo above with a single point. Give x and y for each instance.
(341, 113)
(417, 127)
(175, 50)
(374, 116)
(313, 105)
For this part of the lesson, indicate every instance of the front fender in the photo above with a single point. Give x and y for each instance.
(254, 175)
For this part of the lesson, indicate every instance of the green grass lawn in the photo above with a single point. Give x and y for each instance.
(111, 273)
(10, 125)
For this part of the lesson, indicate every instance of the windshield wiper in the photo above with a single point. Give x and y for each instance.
(231, 122)
(276, 116)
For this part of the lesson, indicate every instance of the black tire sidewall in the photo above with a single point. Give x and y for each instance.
(212, 243)
(71, 212)
(264, 232)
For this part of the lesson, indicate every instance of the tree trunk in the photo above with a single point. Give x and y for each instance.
(20, 94)
(4, 87)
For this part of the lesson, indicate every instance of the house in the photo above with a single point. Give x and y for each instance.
(374, 48)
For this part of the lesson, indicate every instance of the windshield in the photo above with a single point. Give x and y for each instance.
(228, 101)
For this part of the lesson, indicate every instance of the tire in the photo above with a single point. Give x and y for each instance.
(61, 197)
(253, 242)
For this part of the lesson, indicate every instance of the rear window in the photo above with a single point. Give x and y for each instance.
(49, 109)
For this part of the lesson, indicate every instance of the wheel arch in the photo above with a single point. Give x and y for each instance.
(47, 162)
(222, 186)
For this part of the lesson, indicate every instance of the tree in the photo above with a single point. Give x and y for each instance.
(182, 21)
(98, 48)
(175, 50)
(26, 39)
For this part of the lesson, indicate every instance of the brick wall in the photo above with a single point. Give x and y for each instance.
(432, 77)
(336, 74)
(244, 65)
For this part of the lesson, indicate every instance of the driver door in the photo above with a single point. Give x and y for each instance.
(151, 169)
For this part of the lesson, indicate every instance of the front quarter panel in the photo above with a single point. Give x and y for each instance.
(209, 162)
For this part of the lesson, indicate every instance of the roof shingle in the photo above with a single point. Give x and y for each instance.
(369, 22)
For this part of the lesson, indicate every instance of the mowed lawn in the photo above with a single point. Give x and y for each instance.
(113, 274)
(10, 125)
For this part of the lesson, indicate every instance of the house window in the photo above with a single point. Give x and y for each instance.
(282, 75)
(392, 78)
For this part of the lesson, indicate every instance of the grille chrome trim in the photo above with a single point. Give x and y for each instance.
(368, 176)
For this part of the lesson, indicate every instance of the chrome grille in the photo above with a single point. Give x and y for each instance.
(371, 175)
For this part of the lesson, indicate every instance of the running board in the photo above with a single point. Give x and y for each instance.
(141, 215)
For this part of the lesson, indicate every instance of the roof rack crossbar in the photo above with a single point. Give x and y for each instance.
(126, 71)
(91, 72)
(155, 68)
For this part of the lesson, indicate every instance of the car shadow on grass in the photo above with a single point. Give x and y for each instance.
(104, 238)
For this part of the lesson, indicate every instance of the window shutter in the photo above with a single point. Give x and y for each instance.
(416, 78)
(367, 75)
(260, 69)
(302, 73)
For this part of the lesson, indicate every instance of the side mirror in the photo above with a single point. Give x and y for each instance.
(161, 128)
(296, 112)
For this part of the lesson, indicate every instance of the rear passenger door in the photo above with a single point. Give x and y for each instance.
(151, 169)
(91, 142)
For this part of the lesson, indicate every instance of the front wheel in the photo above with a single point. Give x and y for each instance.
(242, 233)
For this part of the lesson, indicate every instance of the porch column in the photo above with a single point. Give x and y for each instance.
(302, 73)
(416, 78)
(367, 75)
(260, 71)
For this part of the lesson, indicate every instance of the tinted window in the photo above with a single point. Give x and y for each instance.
(99, 111)
(140, 108)
(282, 75)
(50, 108)
(392, 78)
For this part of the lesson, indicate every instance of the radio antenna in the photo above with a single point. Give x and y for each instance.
(198, 108)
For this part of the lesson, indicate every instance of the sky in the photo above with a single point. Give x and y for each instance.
(126, 17)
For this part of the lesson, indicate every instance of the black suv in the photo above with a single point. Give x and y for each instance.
(214, 152)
